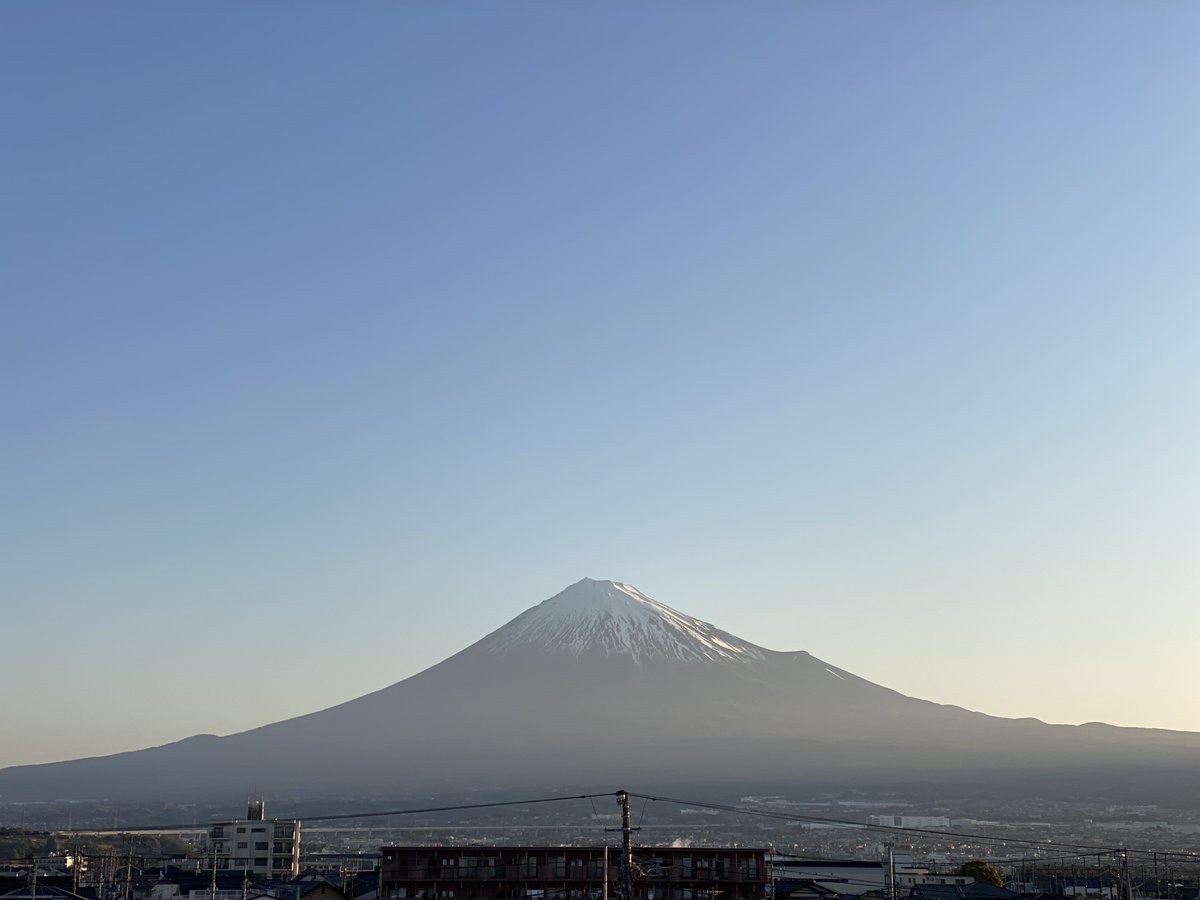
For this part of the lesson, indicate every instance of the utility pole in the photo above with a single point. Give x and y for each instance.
(1126, 884)
(33, 886)
(627, 830)
(213, 886)
(129, 871)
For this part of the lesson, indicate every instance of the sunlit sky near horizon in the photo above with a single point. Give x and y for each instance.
(334, 336)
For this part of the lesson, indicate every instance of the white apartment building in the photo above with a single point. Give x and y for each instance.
(909, 821)
(256, 845)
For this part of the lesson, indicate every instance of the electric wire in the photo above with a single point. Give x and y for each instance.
(333, 817)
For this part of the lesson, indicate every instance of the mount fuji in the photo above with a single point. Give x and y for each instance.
(602, 684)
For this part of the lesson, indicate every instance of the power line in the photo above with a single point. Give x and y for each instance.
(463, 806)
(193, 826)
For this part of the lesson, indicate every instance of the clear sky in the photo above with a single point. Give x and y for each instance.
(336, 335)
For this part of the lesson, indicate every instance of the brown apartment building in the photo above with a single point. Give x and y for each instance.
(569, 873)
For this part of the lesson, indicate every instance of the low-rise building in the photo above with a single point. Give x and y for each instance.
(570, 873)
(914, 877)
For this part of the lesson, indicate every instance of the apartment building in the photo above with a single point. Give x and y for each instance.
(570, 873)
(256, 845)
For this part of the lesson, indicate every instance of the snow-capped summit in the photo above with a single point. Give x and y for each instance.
(618, 620)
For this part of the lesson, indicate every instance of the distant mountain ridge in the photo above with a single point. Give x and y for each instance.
(602, 684)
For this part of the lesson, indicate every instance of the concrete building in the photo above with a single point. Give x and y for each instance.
(569, 873)
(909, 821)
(258, 846)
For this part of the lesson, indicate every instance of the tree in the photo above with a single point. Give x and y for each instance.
(981, 871)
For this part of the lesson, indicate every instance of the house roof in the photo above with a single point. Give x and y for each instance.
(308, 887)
(977, 890)
(787, 887)
(43, 891)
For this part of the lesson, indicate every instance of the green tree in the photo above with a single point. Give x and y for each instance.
(981, 871)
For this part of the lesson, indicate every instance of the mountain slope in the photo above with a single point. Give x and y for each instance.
(603, 684)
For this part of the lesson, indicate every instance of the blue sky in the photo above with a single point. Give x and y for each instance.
(335, 336)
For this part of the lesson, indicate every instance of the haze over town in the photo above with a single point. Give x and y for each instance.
(336, 339)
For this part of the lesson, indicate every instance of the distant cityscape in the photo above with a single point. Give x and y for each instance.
(758, 847)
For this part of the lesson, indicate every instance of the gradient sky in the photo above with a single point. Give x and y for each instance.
(334, 336)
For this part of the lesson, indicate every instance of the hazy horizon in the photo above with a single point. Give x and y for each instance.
(338, 337)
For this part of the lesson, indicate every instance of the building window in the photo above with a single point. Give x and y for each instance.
(260, 861)
(241, 845)
(260, 845)
(259, 830)
(241, 830)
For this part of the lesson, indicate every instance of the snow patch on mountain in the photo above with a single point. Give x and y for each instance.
(619, 620)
